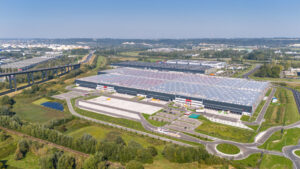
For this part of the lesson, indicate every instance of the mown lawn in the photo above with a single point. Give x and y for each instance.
(282, 138)
(225, 131)
(297, 152)
(228, 148)
(282, 113)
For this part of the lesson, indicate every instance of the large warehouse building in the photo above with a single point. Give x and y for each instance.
(165, 66)
(220, 93)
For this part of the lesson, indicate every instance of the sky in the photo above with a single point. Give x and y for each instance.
(149, 18)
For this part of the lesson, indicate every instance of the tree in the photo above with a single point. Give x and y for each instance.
(47, 162)
(94, 161)
(134, 165)
(144, 156)
(22, 149)
(152, 150)
(66, 162)
(6, 100)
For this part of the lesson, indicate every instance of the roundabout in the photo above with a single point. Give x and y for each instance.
(297, 153)
(228, 149)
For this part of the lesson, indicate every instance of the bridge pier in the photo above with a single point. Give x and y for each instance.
(10, 85)
(46, 74)
(32, 78)
(15, 81)
(28, 78)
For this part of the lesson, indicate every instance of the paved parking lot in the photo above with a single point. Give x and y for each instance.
(126, 105)
(70, 95)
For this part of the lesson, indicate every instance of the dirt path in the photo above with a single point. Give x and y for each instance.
(44, 142)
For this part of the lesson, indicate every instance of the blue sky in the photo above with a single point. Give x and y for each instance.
(149, 18)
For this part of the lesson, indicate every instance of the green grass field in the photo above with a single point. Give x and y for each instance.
(280, 139)
(100, 133)
(275, 162)
(41, 101)
(77, 128)
(132, 53)
(252, 161)
(282, 113)
(273, 79)
(30, 161)
(29, 111)
(225, 131)
(297, 152)
(7, 147)
(228, 148)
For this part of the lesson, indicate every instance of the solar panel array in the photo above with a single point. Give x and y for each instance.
(228, 90)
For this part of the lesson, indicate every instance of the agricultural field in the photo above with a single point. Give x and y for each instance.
(224, 131)
(282, 138)
(131, 53)
(283, 112)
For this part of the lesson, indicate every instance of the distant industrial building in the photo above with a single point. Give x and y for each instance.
(182, 66)
(28, 63)
(219, 93)
(214, 64)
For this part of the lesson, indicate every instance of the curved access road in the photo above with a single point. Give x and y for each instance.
(246, 149)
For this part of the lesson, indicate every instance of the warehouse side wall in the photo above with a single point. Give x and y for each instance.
(168, 97)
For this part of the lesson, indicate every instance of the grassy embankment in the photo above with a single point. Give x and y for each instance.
(282, 138)
(284, 112)
(266, 162)
(224, 131)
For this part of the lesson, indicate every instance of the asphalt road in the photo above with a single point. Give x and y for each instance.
(246, 75)
(289, 152)
(260, 117)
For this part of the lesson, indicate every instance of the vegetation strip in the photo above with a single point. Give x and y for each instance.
(44, 142)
